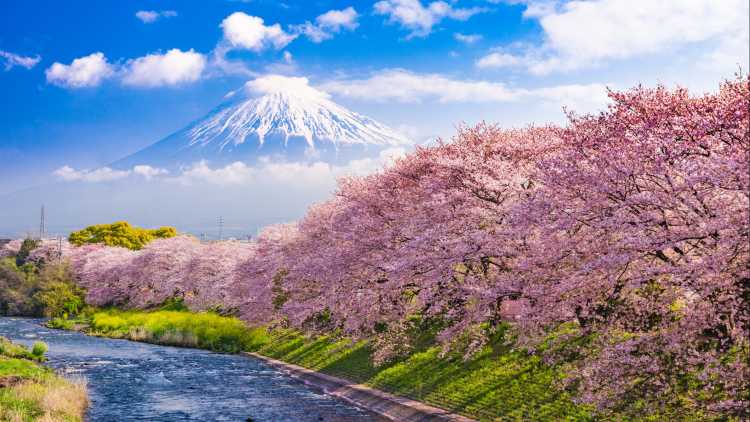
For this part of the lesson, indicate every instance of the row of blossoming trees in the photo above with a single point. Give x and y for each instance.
(630, 228)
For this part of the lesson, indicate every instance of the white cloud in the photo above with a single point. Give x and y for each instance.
(107, 174)
(232, 174)
(497, 60)
(329, 23)
(102, 174)
(288, 59)
(581, 34)
(314, 173)
(274, 173)
(149, 172)
(405, 86)
(408, 87)
(420, 19)
(313, 32)
(12, 59)
(151, 16)
(83, 72)
(367, 166)
(337, 19)
(174, 67)
(277, 83)
(467, 38)
(249, 32)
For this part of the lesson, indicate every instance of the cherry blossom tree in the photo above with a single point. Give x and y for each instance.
(11, 248)
(103, 271)
(628, 231)
(640, 234)
(50, 251)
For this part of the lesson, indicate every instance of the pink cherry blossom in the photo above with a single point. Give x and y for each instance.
(630, 229)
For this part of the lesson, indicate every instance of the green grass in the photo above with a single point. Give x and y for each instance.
(21, 368)
(496, 384)
(31, 392)
(499, 383)
(203, 330)
(12, 350)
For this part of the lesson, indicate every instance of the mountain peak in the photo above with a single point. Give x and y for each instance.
(272, 115)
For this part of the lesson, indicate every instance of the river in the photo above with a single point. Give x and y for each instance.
(129, 381)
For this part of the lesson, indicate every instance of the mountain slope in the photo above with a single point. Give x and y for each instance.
(276, 117)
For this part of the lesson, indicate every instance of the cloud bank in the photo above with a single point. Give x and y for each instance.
(266, 172)
(403, 86)
(583, 34)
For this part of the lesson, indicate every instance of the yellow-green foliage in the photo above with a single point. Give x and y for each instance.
(202, 330)
(34, 392)
(120, 233)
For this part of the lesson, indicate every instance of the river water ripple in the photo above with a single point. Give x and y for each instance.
(130, 381)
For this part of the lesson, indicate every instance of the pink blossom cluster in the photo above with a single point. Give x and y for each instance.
(50, 250)
(629, 228)
(203, 275)
(11, 248)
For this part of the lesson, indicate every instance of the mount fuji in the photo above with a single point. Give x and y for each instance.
(275, 146)
(272, 117)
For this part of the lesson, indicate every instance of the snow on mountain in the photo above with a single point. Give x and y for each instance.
(272, 116)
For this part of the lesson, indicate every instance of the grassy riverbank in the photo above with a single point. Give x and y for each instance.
(499, 383)
(32, 392)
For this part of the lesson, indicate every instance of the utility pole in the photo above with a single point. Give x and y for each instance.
(41, 225)
(221, 227)
(59, 249)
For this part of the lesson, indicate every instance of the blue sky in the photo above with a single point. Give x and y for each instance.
(87, 82)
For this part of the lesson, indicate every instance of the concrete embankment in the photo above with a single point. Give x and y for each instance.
(388, 405)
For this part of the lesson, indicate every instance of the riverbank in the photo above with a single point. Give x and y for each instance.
(393, 407)
(498, 383)
(30, 392)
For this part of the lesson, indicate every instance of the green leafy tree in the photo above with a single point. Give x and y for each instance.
(120, 233)
(56, 294)
(47, 290)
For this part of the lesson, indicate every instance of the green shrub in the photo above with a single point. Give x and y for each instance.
(39, 349)
(173, 304)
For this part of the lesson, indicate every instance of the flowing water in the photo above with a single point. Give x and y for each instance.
(130, 381)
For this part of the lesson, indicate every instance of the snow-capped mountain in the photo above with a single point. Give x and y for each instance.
(272, 116)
